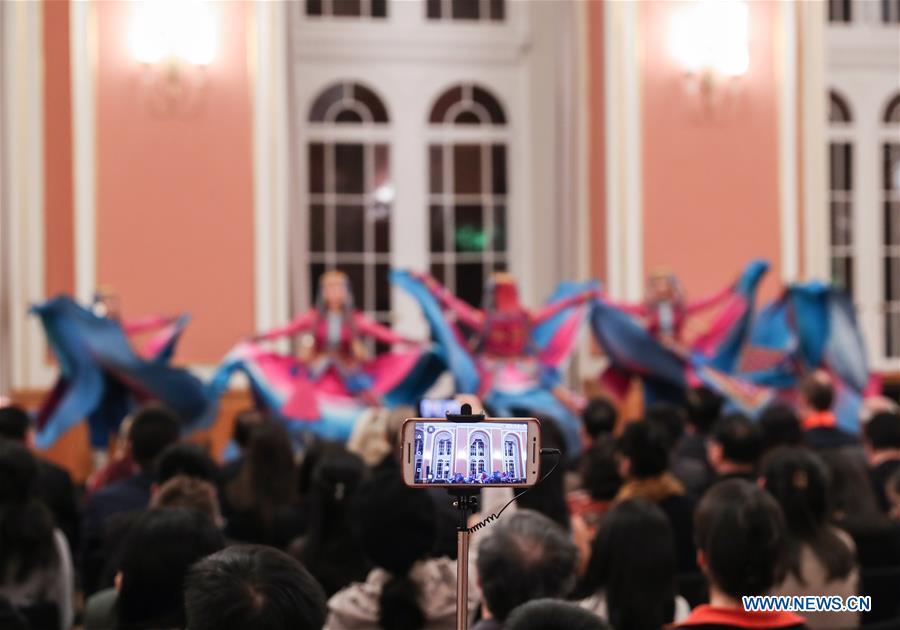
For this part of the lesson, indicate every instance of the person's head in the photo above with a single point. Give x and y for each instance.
(633, 562)
(798, 480)
(334, 290)
(182, 491)
(525, 556)
(397, 527)
(26, 525)
(244, 422)
(250, 586)
(600, 472)
(739, 533)
(267, 479)
(156, 556)
(670, 417)
(185, 459)
(817, 390)
(549, 496)
(780, 426)
(882, 432)
(552, 614)
(704, 408)
(13, 423)
(643, 450)
(851, 497)
(503, 292)
(735, 445)
(599, 417)
(892, 492)
(153, 428)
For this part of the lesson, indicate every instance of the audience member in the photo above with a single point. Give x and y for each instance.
(54, 485)
(892, 492)
(551, 614)
(153, 429)
(599, 418)
(262, 502)
(408, 588)
(375, 435)
(121, 464)
(780, 426)
(734, 448)
(881, 440)
(692, 473)
(330, 551)
(740, 548)
(249, 587)
(244, 422)
(820, 428)
(820, 559)
(549, 496)
(703, 409)
(644, 465)
(35, 562)
(10, 618)
(185, 459)
(182, 491)
(600, 482)
(630, 577)
(160, 548)
(524, 556)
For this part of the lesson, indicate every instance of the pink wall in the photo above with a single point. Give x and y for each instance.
(175, 190)
(710, 178)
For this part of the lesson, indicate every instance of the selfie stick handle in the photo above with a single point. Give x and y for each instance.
(465, 502)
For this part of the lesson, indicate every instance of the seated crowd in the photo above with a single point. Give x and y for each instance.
(664, 521)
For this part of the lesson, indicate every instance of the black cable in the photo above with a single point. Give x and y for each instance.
(493, 517)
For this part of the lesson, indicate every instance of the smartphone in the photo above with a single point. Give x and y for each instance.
(438, 407)
(501, 452)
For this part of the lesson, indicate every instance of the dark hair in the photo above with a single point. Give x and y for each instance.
(14, 423)
(552, 614)
(851, 497)
(10, 619)
(160, 548)
(798, 480)
(189, 460)
(26, 525)
(154, 428)
(670, 417)
(396, 526)
(525, 556)
(191, 493)
(780, 426)
(817, 390)
(267, 480)
(549, 496)
(740, 530)
(704, 407)
(599, 417)
(244, 422)
(740, 438)
(253, 587)
(330, 551)
(599, 471)
(883, 430)
(646, 445)
(633, 562)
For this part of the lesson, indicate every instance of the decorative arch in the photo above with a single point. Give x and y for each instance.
(467, 104)
(838, 109)
(348, 102)
(479, 453)
(512, 456)
(892, 111)
(442, 455)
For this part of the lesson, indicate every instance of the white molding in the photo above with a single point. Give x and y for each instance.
(813, 117)
(787, 142)
(270, 164)
(6, 56)
(624, 181)
(83, 149)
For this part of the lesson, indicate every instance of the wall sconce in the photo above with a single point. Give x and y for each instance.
(174, 40)
(709, 39)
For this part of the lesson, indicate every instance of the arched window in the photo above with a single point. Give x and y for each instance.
(350, 193)
(511, 463)
(890, 186)
(347, 8)
(465, 10)
(840, 186)
(419, 445)
(468, 189)
(479, 448)
(442, 456)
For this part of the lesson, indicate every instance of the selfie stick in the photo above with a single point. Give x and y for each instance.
(466, 502)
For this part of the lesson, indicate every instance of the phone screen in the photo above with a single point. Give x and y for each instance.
(470, 453)
(438, 407)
